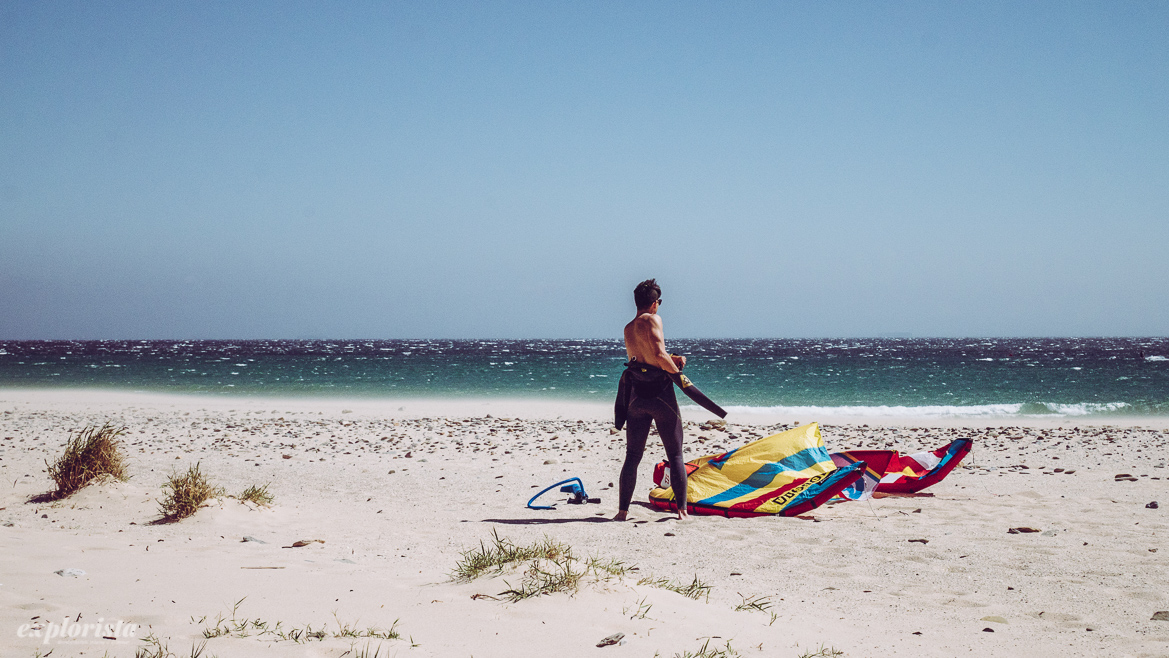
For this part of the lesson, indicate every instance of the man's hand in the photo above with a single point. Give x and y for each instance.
(679, 361)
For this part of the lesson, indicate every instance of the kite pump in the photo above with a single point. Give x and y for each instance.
(573, 487)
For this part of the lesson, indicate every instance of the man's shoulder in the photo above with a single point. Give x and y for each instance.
(646, 322)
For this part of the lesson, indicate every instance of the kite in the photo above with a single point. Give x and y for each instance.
(890, 472)
(791, 473)
(784, 474)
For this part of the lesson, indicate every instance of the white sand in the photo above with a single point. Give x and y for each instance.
(851, 579)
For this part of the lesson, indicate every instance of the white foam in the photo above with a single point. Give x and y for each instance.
(1157, 358)
(980, 410)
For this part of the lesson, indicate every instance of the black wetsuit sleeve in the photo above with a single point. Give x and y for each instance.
(621, 406)
(698, 396)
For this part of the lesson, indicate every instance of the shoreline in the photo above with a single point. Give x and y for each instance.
(470, 406)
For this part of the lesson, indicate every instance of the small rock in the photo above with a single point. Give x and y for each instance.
(69, 573)
(252, 539)
(392, 471)
(409, 455)
(670, 534)
(286, 456)
(1152, 505)
(551, 461)
(736, 573)
(1160, 615)
(988, 630)
(995, 618)
(1021, 530)
(611, 640)
(919, 541)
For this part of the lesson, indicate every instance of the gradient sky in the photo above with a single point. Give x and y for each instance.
(428, 169)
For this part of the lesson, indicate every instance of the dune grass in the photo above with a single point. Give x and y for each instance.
(184, 493)
(823, 652)
(550, 567)
(258, 495)
(707, 651)
(695, 589)
(94, 452)
(156, 648)
(503, 553)
(236, 626)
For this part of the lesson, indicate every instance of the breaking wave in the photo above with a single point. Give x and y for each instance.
(980, 410)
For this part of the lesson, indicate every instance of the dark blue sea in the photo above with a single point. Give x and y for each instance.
(952, 376)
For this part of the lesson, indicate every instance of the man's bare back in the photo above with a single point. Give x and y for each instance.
(645, 342)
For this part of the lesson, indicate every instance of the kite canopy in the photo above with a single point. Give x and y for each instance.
(784, 474)
(888, 471)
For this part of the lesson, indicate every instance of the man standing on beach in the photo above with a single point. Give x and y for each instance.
(646, 394)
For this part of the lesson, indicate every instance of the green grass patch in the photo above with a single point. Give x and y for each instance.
(695, 589)
(236, 626)
(823, 652)
(503, 553)
(707, 651)
(548, 567)
(258, 495)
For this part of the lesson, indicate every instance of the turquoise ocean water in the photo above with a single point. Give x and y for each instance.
(953, 376)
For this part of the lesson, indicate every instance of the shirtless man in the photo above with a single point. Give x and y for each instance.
(650, 398)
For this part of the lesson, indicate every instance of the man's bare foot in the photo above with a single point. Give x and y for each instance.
(682, 515)
(621, 515)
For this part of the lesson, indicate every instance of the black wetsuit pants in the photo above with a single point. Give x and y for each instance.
(661, 410)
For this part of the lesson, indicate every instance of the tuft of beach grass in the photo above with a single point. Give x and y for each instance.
(258, 495)
(94, 452)
(695, 589)
(823, 652)
(183, 494)
(240, 627)
(502, 553)
(707, 651)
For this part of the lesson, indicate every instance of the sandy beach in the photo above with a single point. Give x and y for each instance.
(397, 489)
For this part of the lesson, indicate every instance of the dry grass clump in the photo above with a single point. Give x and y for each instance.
(258, 495)
(185, 493)
(93, 452)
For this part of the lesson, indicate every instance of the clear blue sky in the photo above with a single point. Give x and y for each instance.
(428, 169)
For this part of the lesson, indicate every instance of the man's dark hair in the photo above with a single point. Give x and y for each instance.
(646, 293)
